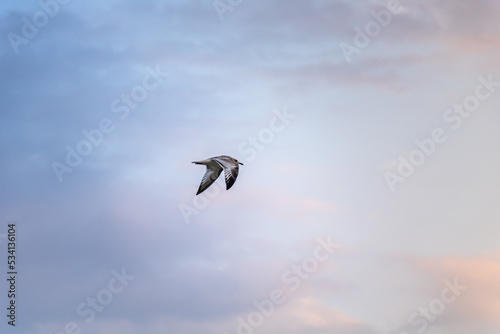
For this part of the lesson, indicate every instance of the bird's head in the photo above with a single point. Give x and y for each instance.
(236, 161)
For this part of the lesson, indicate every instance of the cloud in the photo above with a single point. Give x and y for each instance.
(306, 315)
(481, 299)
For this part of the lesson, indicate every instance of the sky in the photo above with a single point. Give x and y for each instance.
(369, 198)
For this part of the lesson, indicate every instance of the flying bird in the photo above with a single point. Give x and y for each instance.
(215, 166)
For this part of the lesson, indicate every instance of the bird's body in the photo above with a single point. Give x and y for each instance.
(215, 166)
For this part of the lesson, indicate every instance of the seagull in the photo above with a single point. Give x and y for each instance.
(215, 166)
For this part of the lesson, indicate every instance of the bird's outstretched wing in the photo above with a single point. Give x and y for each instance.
(213, 171)
(230, 170)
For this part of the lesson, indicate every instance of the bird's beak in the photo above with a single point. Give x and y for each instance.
(241, 163)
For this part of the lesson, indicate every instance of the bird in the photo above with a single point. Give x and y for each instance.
(215, 165)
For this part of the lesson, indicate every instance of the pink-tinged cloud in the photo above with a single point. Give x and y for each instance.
(307, 315)
(480, 301)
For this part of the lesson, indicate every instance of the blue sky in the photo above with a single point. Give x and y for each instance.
(368, 125)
